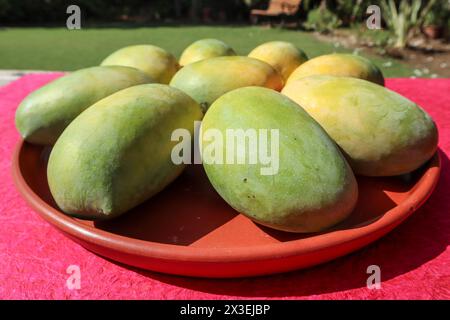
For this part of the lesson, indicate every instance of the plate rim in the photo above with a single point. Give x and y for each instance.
(172, 252)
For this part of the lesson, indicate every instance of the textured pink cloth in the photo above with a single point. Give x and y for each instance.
(414, 258)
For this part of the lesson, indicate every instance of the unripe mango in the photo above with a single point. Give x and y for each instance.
(207, 80)
(44, 114)
(283, 56)
(117, 153)
(338, 64)
(311, 188)
(156, 62)
(205, 49)
(381, 132)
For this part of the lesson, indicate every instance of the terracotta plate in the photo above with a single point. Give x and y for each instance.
(189, 230)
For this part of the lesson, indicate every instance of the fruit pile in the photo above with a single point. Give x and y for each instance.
(315, 124)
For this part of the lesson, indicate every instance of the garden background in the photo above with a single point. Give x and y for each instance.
(412, 41)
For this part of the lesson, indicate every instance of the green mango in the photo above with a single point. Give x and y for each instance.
(205, 49)
(207, 80)
(44, 114)
(307, 187)
(117, 153)
(339, 64)
(156, 62)
(381, 132)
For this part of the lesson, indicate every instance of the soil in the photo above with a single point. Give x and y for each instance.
(428, 57)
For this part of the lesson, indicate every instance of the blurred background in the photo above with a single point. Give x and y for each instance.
(413, 39)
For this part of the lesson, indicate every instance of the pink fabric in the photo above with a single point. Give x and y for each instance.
(414, 258)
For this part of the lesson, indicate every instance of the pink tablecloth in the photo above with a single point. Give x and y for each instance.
(414, 258)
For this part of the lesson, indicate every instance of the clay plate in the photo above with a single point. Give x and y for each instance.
(187, 229)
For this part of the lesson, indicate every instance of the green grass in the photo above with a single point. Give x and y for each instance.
(61, 49)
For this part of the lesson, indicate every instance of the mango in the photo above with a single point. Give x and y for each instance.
(381, 132)
(117, 153)
(156, 62)
(338, 64)
(307, 188)
(283, 56)
(44, 114)
(207, 80)
(205, 49)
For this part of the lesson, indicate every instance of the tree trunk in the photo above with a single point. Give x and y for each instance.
(177, 6)
(195, 9)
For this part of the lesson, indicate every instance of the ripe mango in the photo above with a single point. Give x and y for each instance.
(207, 80)
(43, 115)
(381, 132)
(313, 188)
(117, 153)
(156, 62)
(205, 49)
(338, 64)
(283, 56)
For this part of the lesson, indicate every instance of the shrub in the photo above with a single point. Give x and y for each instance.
(404, 18)
(322, 20)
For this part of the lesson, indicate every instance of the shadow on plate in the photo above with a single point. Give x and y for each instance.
(196, 211)
(423, 237)
(420, 239)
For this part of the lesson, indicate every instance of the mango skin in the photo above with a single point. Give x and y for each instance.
(44, 114)
(338, 64)
(205, 49)
(207, 80)
(117, 153)
(381, 132)
(314, 187)
(283, 56)
(156, 62)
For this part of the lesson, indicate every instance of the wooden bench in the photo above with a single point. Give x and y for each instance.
(276, 8)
